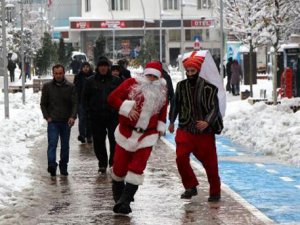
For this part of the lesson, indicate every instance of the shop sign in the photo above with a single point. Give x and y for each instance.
(112, 24)
(82, 25)
(202, 23)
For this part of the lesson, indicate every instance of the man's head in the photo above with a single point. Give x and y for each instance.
(192, 67)
(58, 71)
(103, 65)
(153, 70)
(85, 67)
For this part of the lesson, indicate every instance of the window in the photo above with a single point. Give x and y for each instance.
(204, 4)
(119, 5)
(174, 35)
(191, 35)
(87, 5)
(171, 4)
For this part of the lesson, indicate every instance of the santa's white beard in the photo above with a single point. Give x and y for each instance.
(153, 92)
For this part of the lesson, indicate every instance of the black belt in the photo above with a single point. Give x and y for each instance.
(139, 130)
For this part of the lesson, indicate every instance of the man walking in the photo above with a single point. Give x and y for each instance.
(142, 105)
(59, 108)
(196, 103)
(80, 79)
(104, 119)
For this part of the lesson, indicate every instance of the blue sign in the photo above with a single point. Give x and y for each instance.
(56, 35)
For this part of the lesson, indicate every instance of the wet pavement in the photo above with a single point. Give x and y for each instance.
(84, 197)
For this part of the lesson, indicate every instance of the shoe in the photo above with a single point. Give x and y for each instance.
(102, 170)
(52, 171)
(81, 139)
(89, 140)
(189, 193)
(64, 173)
(214, 198)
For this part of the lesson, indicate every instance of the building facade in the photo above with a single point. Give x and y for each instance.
(124, 24)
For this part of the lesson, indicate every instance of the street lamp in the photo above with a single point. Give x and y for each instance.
(114, 30)
(4, 55)
(222, 40)
(22, 54)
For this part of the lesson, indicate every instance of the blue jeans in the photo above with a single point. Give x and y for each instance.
(58, 130)
(83, 123)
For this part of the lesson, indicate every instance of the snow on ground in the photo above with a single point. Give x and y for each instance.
(17, 135)
(272, 130)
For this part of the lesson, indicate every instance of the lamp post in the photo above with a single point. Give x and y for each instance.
(144, 14)
(222, 40)
(160, 32)
(4, 55)
(113, 31)
(22, 55)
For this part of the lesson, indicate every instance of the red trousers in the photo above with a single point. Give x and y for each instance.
(204, 149)
(133, 162)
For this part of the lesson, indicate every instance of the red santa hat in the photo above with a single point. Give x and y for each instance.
(153, 68)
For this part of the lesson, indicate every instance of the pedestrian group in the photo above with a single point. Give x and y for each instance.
(132, 114)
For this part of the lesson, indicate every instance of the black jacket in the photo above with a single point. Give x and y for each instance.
(170, 88)
(95, 94)
(59, 101)
(79, 82)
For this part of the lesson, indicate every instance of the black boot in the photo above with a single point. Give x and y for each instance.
(63, 170)
(52, 170)
(117, 188)
(123, 204)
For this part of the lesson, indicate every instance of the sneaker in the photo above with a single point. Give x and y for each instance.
(81, 139)
(214, 198)
(189, 193)
(102, 170)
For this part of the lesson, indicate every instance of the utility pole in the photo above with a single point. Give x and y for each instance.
(222, 40)
(4, 56)
(22, 54)
(160, 32)
(181, 35)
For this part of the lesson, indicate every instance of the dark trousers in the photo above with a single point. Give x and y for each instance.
(12, 76)
(58, 130)
(102, 127)
(84, 126)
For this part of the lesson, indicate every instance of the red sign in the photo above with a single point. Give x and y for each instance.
(82, 25)
(202, 23)
(112, 23)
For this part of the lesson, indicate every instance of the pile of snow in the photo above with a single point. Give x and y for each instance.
(17, 135)
(269, 129)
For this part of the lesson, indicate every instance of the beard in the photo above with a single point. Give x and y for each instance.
(152, 94)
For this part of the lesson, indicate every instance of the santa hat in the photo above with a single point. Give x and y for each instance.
(153, 68)
(194, 61)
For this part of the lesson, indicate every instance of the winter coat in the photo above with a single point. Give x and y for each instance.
(95, 94)
(11, 66)
(126, 134)
(59, 101)
(79, 82)
(236, 74)
(201, 104)
(170, 88)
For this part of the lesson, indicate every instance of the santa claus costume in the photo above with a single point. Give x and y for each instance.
(136, 137)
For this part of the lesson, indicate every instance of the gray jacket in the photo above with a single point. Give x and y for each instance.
(59, 101)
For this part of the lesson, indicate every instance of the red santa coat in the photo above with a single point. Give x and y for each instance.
(126, 135)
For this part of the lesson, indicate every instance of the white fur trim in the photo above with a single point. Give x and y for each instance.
(126, 106)
(131, 144)
(152, 71)
(134, 178)
(161, 126)
(115, 177)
